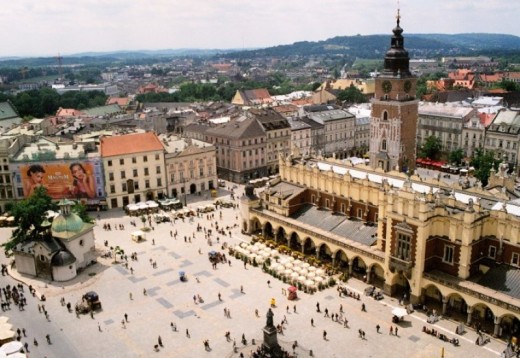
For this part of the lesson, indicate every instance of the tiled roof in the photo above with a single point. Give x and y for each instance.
(121, 101)
(104, 110)
(130, 143)
(7, 111)
(68, 112)
(248, 128)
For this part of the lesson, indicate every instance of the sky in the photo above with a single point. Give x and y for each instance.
(49, 27)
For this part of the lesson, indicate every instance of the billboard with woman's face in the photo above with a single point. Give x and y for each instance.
(74, 180)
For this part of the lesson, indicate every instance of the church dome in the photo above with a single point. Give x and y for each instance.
(70, 223)
(62, 258)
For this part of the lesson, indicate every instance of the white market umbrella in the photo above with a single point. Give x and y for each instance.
(304, 272)
(244, 244)
(262, 246)
(318, 279)
(254, 248)
(302, 279)
(297, 262)
(265, 255)
(309, 283)
(306, 265)
(11, 347)
(320, 271)
(284, 260)
(17, 355)
(289, 265)
(288, 272)
(291, 259)
(258, 243)
(280, 269)
(153, 204)
(399, 312)
(312, 269)
(311, 274)
(294, 275)
(132, 207)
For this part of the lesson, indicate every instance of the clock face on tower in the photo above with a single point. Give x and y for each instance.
(407, 86)
(387, 86)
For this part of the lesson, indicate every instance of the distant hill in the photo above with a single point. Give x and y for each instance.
(373, 46)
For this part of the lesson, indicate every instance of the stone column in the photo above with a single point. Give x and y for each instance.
(333, 261)
(350, 267)
(470, 316)
(496, 331)
(444, 304)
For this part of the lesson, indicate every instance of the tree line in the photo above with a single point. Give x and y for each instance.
(46, 101)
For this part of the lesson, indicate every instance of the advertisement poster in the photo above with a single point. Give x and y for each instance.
(62, 180)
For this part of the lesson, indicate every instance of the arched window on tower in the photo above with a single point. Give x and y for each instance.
(385, 115)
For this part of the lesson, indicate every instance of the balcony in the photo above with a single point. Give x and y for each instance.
(399, 264)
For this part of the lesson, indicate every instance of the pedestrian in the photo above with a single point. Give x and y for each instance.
(173, 326)
(48, 338)
(219, 297)
(187, 333)
(377, 328)
(391, 330)
(326, 312)
(294, 308)
(360, 333)
(123, 323)
(312, 322)
(318, 307)
(287, 309)
(256, 313)
(130, 295)
(363, 308)
(126, 317)
(153, 241)
(325, 335)
(35, 342)
(159, 340)
(241, 289)
(340, 308)
(144, 291)
(269, 283)
(396, 331)
(363, 334)
(99, 327)
(23, 331)
(92, 314)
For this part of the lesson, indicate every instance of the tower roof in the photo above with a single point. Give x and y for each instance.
(396, 58)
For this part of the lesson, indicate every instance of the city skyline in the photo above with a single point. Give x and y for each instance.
(50, 27)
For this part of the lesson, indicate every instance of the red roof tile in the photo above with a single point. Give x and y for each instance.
(130, 143)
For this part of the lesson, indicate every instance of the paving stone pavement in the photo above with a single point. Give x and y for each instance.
(168, 300)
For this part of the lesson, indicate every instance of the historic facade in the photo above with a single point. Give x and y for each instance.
(423, 240)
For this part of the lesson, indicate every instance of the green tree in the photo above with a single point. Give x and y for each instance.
(483, 161)
(456, 156)
(81, 211)
(116, 250)
(352, 95)
(431, 148)
(28, 217)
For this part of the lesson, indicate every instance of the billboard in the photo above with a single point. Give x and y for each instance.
(73, 180)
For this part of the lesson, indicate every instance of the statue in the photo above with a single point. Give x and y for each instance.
(269, 316)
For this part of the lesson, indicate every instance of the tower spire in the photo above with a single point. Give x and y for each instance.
(398, 17)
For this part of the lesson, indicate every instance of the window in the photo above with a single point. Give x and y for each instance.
(112, 188)
(136, 185)
(492, 253)
(147, 184)
(172, 178)
(135, 173)
(157, 156)
(448, 254)
(121, 161)
(159, 182)
(327, 203)
(123, 186)
(134, 160)
(158, 169)
(201, 172)
(146, 171)
(383, 144)
(123, 174)
(109, 163)
(81, 243)
(403, 246)
(110, 176)
(145, 159)
(515, 259)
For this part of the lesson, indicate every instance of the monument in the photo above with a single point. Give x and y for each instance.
(270, 344)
